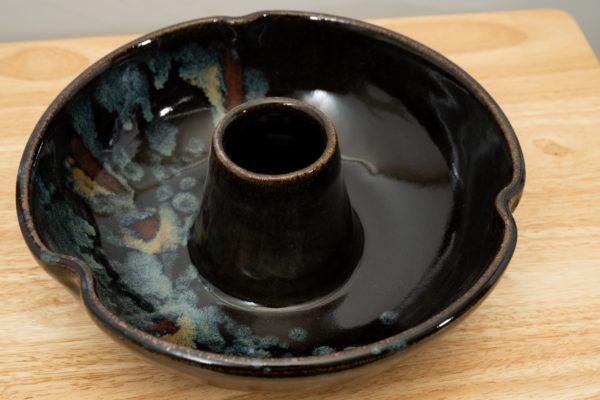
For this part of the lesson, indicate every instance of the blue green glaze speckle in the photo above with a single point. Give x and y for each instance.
(297, 334)
(187, 183)
(124, 90)
(186, 202)
(161, 172)
(164, 193)
(162, 137)
(248, 344)
(195, 146)
(49, 258)
(133, 172)
(193, 149)
(322, 350)
(397, 346)
(389, 317)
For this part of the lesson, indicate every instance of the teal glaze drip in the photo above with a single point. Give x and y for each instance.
(65, 232)
(146, 275)
(143, 272)
(162, 137)
(82, 118)
(194, 59)
(160, 65)
(124, 148)
(147, 269)
(68, 233)
(123, 162)
(123, 91)
(200, 67)
(118, 162)
(44, 191)
(256, 84)
(113, 204)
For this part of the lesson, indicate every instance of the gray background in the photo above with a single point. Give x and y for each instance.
(45, 19)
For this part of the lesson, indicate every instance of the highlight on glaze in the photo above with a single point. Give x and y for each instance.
(151, 238)
(114, 175)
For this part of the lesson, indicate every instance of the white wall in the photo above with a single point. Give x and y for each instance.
(31, 19)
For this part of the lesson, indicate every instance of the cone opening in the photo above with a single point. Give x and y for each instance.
(274, 139)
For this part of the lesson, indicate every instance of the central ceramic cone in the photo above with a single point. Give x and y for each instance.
(276, 226)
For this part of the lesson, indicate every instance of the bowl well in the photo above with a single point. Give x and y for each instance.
(111, 181)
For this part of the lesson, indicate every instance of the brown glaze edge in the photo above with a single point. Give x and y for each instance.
(288, 178)
(506, 202)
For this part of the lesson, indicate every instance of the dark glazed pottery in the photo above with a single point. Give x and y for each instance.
(377, 214)
(273, 180)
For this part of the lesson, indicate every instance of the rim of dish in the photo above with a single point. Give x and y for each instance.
(299, 106)
(506, 200)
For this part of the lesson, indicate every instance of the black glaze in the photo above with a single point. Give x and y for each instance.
(274, 141)
(430, 163)
(273, 180)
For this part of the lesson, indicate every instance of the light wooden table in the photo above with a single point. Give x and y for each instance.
(536, 336)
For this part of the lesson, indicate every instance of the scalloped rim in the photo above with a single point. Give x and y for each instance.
(506, 201)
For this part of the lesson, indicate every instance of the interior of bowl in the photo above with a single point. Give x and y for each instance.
(118, 179)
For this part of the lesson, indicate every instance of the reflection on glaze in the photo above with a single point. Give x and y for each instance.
(142, 191)
(151, 237)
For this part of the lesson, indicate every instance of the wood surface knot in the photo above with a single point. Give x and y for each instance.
(551, 148)
(42, 63)
(464, 36)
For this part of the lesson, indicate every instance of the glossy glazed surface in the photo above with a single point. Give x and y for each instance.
(118, 179)
(259, 237)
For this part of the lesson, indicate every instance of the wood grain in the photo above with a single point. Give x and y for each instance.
(536, 336)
